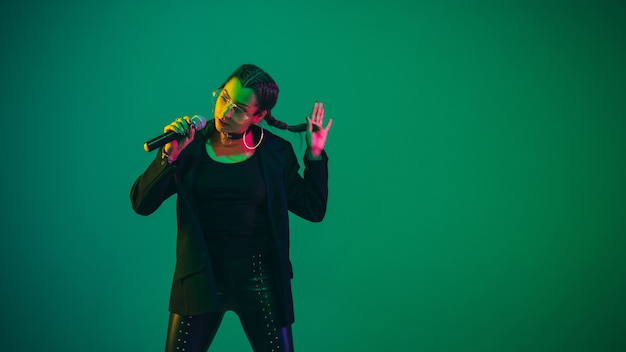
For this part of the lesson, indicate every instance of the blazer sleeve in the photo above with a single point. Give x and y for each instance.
(307, 196)
(153, 187)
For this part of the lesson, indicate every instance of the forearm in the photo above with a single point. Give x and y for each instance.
(309, 197)
(154, 186)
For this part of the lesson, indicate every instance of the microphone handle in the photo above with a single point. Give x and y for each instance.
(197, 123)
(160, 141)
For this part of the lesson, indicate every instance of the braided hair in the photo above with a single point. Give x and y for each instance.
(266, 91)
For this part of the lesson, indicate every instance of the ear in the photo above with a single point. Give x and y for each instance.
(256, 118)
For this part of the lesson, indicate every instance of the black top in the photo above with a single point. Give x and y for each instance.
(232, 209)
(194, 290)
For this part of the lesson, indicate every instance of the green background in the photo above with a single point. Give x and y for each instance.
(477, 167)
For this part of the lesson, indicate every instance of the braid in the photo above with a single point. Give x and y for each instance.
(271, 120)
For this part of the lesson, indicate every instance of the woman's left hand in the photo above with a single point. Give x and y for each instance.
(316, 133)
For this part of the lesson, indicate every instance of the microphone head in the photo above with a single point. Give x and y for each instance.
(198, 122)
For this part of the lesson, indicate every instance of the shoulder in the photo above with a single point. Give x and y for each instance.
(271, 140)
(276, 152)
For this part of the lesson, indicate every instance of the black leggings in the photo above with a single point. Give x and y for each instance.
(246, 288)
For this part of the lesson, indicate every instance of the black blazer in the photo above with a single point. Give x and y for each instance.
(193, 286)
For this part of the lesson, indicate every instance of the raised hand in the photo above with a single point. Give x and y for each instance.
(316, 133)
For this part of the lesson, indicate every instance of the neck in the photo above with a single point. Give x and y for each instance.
(227, 138)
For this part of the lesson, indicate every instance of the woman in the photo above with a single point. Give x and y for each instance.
(235, 183)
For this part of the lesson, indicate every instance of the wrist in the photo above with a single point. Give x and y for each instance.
(169, 158)
(314, 154)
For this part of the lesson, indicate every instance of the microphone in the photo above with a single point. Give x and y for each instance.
(197, 123)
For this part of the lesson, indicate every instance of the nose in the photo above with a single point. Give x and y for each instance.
(228, 111)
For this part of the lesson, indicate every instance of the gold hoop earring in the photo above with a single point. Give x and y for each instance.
(257, 145)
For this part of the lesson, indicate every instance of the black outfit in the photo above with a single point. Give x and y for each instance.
(233, 236)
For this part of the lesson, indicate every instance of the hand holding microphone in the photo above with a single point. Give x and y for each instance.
(176, 136)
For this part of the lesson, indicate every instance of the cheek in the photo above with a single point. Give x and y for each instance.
(259, 117)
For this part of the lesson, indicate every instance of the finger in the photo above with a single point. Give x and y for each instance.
(320, 113)
(182, 126)
(314, 113)
(313, 126)
(184, 123)
(187, 120)
(330, 123)
(175, 126)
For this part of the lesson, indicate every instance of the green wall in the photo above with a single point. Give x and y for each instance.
(477, 164)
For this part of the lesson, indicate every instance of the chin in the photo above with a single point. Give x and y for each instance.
(221, 127)
(227, 128)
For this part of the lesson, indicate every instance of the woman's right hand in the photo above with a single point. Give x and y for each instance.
(183, 127)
